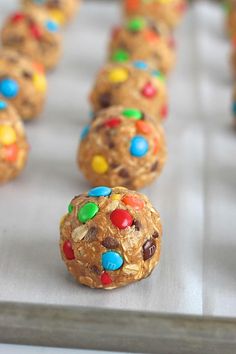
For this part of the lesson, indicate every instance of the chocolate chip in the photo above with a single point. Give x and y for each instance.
(105, 100)
(154, 167)
(27, 75)
(95, 269)
(155, 234)
(114, 165)
(91, 234)
(149, 248)
(137, 225)
(111, 145)
(110, 242)
(123, 173)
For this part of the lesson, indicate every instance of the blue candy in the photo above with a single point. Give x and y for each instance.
(139, 146)
(112, 260)
(85, 132)
(51, 26)
(39, 2)
(9, 88)
(139, 64)
(3, 105)
(101, 191)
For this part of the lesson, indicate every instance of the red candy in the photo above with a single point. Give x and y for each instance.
(149, 91)
(133, 201)
(164, 112)
(17, 17)
(68, 251)
(112, 122)
(11, 153)
(105, 278)
(151, 36)
(121, 218)
(36, 31)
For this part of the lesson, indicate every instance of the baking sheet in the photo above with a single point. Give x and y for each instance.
(195, 195)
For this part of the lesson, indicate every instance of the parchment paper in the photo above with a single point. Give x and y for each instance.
(195, 194)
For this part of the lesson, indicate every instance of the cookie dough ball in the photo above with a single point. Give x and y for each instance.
(168, 11)
(122, 146)
(22, 83)
(230, 8)
(133, 84)
(35, 35)
(61, 11)
(140, 39)
(110, 237)
(13, 144)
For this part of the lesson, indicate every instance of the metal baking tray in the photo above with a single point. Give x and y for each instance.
(188, 305)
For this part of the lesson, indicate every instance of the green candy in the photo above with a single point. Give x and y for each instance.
(120, 56)
(87, 212)
(136, 24)
(132, 113)
(70, 208)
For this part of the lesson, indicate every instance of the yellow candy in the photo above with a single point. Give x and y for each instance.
(118, 75)
(57, 16)
(116, 197)
(7, 135)
(99, 164)
(40, 82)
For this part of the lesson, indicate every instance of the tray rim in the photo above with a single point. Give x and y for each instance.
(115, 330)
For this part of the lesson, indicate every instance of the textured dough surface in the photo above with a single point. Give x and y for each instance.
(30, 79)
(124, 84)
(138, 245)
(110, 137)
(13, 144)
(140, 39)
(34, 34)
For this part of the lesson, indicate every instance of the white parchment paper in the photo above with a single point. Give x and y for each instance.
(195, 195)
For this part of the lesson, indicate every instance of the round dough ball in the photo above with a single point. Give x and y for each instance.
(13, 144)
(34, 34)
(61, 11)
(22, 83)
(133, 84)
(140, 39)
(110, 237)
(168, 11)
(123, 147)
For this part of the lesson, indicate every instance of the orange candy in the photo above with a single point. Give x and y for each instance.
(143, 127)
(132, 5)
(150, 36)
(133, 201)
(156, 147)
(11, 153)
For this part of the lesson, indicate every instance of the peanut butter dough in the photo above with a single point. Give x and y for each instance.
(22, 83)
(110, 237)
(169, 12)
(62, 11)
(34, 34)
(135, 84)
(122, 146)
(13, 143)
(140, 39)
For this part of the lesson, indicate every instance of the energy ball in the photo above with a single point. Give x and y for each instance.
(140, 39)
(135, 84)
(169, 12)
(110, 237)
(122, 146)
(22, 83)
(34, 34)
(13, 143)
(230, 8)
(61, 11)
